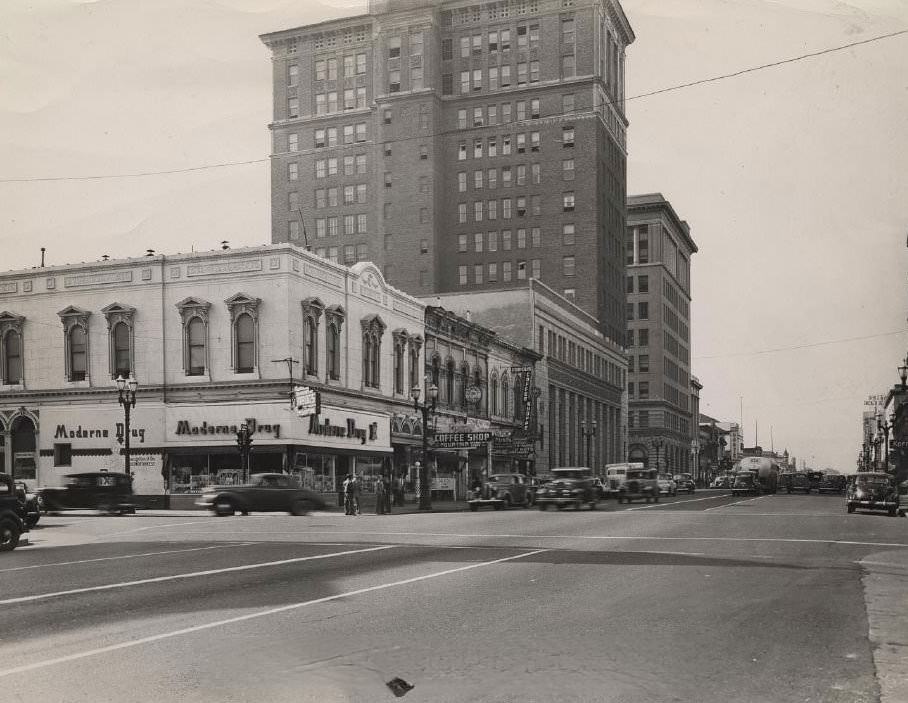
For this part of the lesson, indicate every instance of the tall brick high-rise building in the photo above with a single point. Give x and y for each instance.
(461, 146)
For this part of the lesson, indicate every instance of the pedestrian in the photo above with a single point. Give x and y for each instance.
(380, 494)
(386, 484)
(348, 490)
(355, 484)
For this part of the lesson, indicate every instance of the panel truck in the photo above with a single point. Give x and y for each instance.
(765, 470)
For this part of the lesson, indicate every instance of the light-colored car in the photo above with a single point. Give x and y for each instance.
(667, 485)
(685, 482)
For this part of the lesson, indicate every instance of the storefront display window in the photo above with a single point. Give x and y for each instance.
(317, 472)
(369, 470)
(193, 473)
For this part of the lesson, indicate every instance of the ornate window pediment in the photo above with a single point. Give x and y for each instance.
(121, 333)
(193, 307)
(335, 314)
(116, 312)
(72, 316)
(312, 306)
(10, 321)
(11, 351)
(241, 303)
(374, 324)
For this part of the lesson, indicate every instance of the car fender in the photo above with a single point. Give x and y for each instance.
(238, 500)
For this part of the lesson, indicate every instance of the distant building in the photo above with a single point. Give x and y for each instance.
(580, 379)
(659, 249)
(461, 147)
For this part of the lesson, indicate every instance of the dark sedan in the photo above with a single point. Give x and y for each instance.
(107, 491)
(873, 491)
(265, 493)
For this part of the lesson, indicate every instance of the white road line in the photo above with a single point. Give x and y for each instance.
(739, 502)
(578, 537)
(128, 556)
(189, 575)
(251, 616)
(151, 527)
(677, 502)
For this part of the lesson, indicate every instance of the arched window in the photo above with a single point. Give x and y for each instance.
(505, 396)
(78, 357)
(12, 358)
(414, 366)
(311, 340)
(195, 340)
(449, 382)
(399, 359)
(333, 352)
(373, 329)
(120, 319)
(245, 344)
(121, 350)
(493, 395)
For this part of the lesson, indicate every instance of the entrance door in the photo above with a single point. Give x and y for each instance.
(23, 449)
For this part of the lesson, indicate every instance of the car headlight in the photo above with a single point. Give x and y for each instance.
(859, 494)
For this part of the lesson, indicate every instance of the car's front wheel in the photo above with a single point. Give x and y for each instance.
(300, 506)
(223, 507)
(9, 535)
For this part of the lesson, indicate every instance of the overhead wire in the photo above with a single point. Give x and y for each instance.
(660, 91)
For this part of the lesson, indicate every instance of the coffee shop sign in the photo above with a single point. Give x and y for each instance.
(184, 427)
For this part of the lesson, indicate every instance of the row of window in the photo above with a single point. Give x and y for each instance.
(500, 9)
(638, 363)
(520, 144)
(638, 337)
(510, 207)
(569, 352)
(489, 241)
(488, 272)
(326, 68)
(476, 80)
(501, 113)
(642, 284)
(329, 197)
(512, 175)
(331, 226)
(642, 310)
(674, 347)
(638, 391)
(351, 253)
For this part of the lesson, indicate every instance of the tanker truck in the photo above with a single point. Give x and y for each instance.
(764, 469)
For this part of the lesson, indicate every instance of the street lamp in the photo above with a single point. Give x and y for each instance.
(589, 431)
(126, 396)
(883, 427)
(423, 490)
(244, 442)
(657, 445)
(903, 373)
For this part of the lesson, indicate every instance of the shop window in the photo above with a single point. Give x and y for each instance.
(244, 320)
(63, 455)
(75, 338)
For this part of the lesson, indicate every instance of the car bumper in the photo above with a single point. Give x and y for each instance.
(874, 504)
(559, 500)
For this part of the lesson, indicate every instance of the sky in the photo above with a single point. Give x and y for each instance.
(794, 179)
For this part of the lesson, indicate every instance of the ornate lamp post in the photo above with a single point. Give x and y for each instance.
(126, 396)
(884, 427)
(423, 489)
(657, 445)
(589, 431)
(244, 442)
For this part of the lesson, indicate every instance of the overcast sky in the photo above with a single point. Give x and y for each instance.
(794, 179)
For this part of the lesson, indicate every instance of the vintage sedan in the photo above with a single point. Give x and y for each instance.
(667, 485)
(30, 502)
(263, 494)
(501, 491)
(832, 483)
(685, 482)
(570, 485)
(12, 515)
(798, 481)
(746, 483)
(639, 483)
(106, 491)
(873, 490)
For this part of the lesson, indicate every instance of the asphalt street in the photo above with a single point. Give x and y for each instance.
(706, 597)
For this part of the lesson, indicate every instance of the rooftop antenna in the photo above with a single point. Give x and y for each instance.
(105, 257)
(225, 244)
(42, 257)
(149, 252)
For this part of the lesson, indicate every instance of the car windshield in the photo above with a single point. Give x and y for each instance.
(637, 474)
(872, 480)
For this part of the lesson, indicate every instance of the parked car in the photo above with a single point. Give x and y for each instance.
(264, 493)
(12, 513)
(107, 491)
(500, 491)
(571, 485)
(798, 481)
(534, 483)
(723, 481)
(832, 483)
(639, 483)
(685, 482)
(667, 485)
(873, 490)
(30, 501)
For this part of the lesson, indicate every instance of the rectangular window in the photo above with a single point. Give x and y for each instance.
(332, 101)
(521, 143)
(394, 47)
(349, 66)
(332, 167)
(332, 226)
(360, 64)
(461, 243)
(320, 200)
(387, 116)
(462, 182)
(506, 271)
(643, 363)
(643, 390)
(362, 252)
(521, 174)
(360, 163)
(522, 73)
(461, 119)
(349, 195)
(521, 270)
(349, 99)
(505, 39)
(361, 193)
(362, 224)
(447, 49)
(320, 228)
(361, 132)
(534, 141)
(293, 72)
(461, 212)
(493, 114)
(393, 81)
(567, 169)
(493, 42)
(464, 82)
(462, 151)
(506, 208)
(567, 137)
(568, 67)
(643, 284)
(521, 239)
(506, 76)
(536, 234)
(493, 273)
(349, 224)
(477, 211)
(493, 147)
(567, 30)
(462, 275)
(477, 180)
(568, 266)
(348, 134)
(534, 71)
(477, 242)
(521, 206)
(643, 310)
(423, 246)
(293, 107)
(477, 273)
(477, 79)
(492, 240)
(293, 142)
(465, 47)
(536, 268)
(292, 172)
(477, 148)
(506, 240)
(493, 78)
(478, 117)
(493, 210)
(447, 84)
(477, 45)
(521, 110)
(643, 337)
(505, 113)
(567, 103)
(320, 138)
(567, 201)
(332, 197)
(320, 70)
(570, 294)
(416, 43)
(63, 454)
(537, 174)
(492, 177)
